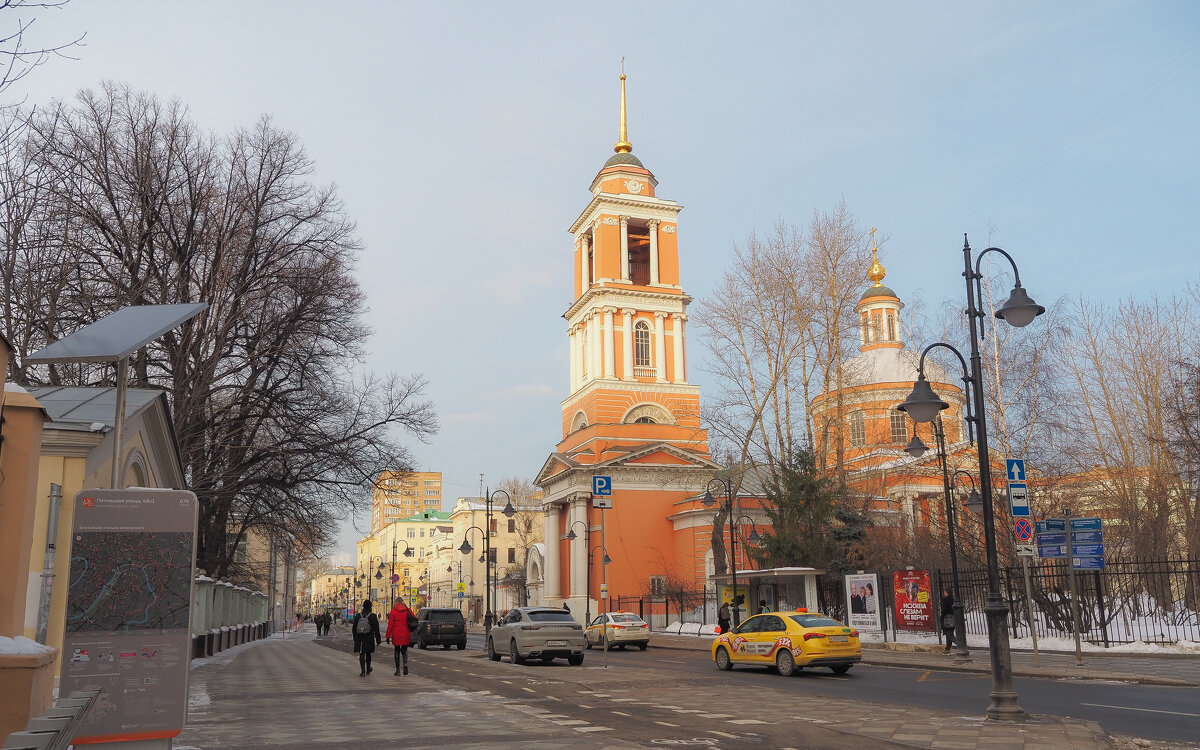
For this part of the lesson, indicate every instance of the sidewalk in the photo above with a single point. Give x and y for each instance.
(1168, 670)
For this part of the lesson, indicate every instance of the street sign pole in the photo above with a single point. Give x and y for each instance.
(603, 589)
(1037, 660)
(1074, 595)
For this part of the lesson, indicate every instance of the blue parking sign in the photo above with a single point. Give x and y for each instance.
(602, 486)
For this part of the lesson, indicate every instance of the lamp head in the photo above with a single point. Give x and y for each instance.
(973, 502)
(509, 511)
(1019, 310)
(607, 559)
(708, 500)
(571, 535)
(923, 404)
(466, 547)
(754, 538)
(378, 575)
(408, 552)
(916, 447)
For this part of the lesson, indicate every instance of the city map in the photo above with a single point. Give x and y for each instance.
(123, 581)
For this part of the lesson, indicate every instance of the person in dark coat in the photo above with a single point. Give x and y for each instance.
(723, 618)
(365, 627)
(399, 632)
(948, 618)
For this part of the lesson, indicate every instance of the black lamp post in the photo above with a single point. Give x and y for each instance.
(509, 511)
(727, 505)
(923, 405)
(408, 552)
(587, 586)
(916, 449)
(605, 560)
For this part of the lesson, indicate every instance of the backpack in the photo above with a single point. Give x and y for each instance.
(412, 620)
(363, 626)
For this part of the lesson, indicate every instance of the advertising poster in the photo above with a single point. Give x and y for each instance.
(862, 595)
(128, 621)
(914, 600)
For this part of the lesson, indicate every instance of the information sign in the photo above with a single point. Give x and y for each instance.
(1087, 537)
(1027, 550)
(601, 502)
(1087, 550)
(1052, 524)
(1052, 550)
(127, 627)
(1018, 499)
(1086, 524)
(602, 486)
(1087, 563)
(1023, 529)
(1052, 537)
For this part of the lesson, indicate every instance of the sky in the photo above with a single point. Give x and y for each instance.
(463, 137)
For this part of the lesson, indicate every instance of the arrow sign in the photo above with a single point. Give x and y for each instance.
(1016, 469)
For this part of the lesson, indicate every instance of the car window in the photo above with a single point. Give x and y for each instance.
(625, 617)
(599, 620)
(551, 616)
(749, 626)
(450, 616)
(815, 621)
(771, 624)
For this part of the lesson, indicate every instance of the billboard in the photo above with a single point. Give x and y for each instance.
(862, 597)
(914, 600)
(127, 630)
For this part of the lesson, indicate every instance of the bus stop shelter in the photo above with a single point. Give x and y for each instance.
(781, 588)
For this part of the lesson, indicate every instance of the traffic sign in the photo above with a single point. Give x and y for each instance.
(461, 587)
(461, 595)
(1087, 563)
(1052, 550)
(602, 486)
(1087, 537)
(1016, 469)
(1088, 550)
(1086, 524)
(601, 502)
(1027, 550)
(1018, 499)
(395, 578)
(1052, 524)
(1052, 537)
(1023, 529)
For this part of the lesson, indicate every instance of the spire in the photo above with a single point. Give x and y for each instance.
(876, 272)
(623, 146)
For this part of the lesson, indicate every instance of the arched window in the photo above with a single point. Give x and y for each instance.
(899, 426)
(866, 336)
(641, 344)
(643, 420)
(858, 429)
(891, 327)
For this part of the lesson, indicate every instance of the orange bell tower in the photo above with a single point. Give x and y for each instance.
(630, 412)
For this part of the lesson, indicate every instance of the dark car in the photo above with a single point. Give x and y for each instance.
(440, 626)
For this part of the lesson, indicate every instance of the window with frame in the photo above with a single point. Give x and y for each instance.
(658, 585)
(899, 425)
(512, 526)
(641, 344)
(891, 327)
(858, 429)
(512, 554)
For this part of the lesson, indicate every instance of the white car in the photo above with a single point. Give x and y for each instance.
(536, 633)
(624, 629)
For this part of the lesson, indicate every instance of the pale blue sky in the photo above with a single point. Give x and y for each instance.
(463, 137)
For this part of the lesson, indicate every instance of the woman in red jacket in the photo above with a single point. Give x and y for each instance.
(399, 632)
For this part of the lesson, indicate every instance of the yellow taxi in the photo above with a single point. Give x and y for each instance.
(789, 641)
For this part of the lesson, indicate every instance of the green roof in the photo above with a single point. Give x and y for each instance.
(623, 158)
(429, 516)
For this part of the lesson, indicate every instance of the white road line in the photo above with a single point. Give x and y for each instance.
(572, 722)
(726, 735)
(593, 729)
(665, 724)
(716, 716)
(747, 721)
(672, 661)
(621, 713)
(529, 690)
(1134, 708)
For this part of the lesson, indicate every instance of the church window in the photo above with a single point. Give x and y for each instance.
(899, 427)
(643, 420)
(866, 336)
(891, 327)
(641, 344)
(639, 255)
(858, 429)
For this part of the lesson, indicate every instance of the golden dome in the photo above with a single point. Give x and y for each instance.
(876, 272)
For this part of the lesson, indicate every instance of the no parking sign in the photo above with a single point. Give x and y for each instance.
(1023, 529)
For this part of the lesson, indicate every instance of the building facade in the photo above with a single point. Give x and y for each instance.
(402, 494)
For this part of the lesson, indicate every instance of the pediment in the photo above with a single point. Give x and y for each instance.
(659, 453)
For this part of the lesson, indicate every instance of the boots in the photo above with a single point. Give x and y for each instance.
(405, 667)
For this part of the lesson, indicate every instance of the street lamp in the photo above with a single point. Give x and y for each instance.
(923, 404)
(587, 539)
(727, 505)
(392, 580)
(378, 572)
(604, 561)
(916, 449)
(509, 511)
(754, 538)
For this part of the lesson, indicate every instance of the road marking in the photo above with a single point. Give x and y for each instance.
(726, 735)
(1133, 708)
(625, 700)
(529, 690)
(551, 697)
(747, 721)
(665, 724)
(621, 713)
(716, 716)
(593, 729)
(572, 722)
(923, 676)
(672, 661)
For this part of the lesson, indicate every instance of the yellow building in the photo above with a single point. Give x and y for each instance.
(401, 494)
(330, 591)
(385, 569)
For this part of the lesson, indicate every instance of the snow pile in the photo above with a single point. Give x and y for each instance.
(22, 646)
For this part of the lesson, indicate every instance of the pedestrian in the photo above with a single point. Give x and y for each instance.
(948, 618)
(401, 623)
(762, 607)
(324, 624)
(723, 618)
(365, 628)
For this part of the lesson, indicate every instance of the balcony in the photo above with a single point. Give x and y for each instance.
(644, 371)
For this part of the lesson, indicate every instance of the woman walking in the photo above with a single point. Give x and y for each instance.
(399, 632)
(365, 627)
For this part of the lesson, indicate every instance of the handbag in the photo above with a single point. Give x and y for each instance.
(947, 622)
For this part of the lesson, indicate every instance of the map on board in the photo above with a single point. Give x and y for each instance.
(122, 581)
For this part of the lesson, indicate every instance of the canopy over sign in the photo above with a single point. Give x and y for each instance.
(116, 336)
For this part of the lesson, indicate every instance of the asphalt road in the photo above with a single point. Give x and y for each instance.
(1161, 713)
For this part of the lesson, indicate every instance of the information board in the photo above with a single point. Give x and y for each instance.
(127, 632)
(862, 593)
(914, 600)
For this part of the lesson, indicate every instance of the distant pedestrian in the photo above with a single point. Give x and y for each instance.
(565, 607)
(326, 621)
(948, 618)
(365, 628)
(762, 607)
(401, 622)
(723, 618)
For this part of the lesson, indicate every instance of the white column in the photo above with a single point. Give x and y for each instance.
(653, 253)
(660, 347)
(580, 354)
(578, 548)
(609, 342)
(624, 248)
(593, 261)
(574, 359)
(583, 265)
(680, 373)
(550, 588)
(596, 361)
(627, 342)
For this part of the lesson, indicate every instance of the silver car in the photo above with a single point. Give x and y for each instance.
(537, 633)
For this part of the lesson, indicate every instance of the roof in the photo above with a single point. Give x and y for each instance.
(770, 573)
(90, 405)
(624, 158)
(878, 291)
(890, 364)
(428, 516)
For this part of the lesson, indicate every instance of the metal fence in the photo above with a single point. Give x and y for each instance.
(698, 605)
(1153, 601)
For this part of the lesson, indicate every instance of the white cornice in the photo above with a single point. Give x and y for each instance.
(632, 386)
(639, 207)
(635, 298)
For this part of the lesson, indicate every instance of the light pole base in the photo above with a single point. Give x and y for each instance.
(1004, 706)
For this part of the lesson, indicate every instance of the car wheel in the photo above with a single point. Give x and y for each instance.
(513, 654)
(724, 663)
(621, 646)
(445, 646)
(841, 669)
(462, 645)
(491, 649)
(643, 645)
(574, 660)
(784, 663)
